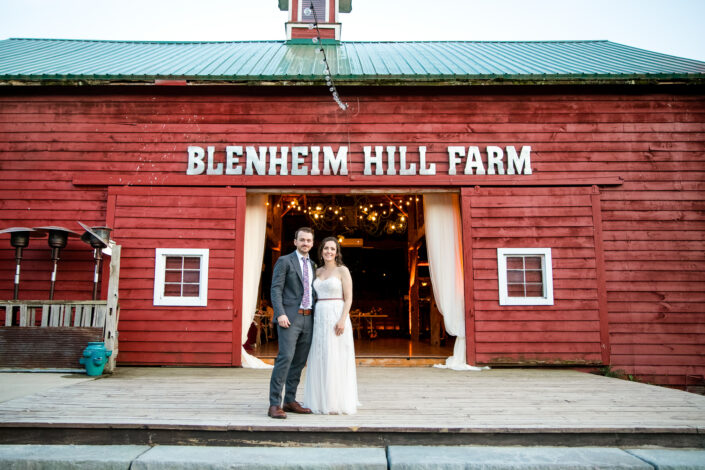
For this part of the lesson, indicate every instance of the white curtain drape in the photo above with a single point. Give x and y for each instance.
(255, 229)
(445, 259)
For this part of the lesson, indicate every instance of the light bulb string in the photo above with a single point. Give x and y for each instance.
(329, 75)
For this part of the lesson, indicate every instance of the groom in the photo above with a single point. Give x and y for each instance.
(292, 300)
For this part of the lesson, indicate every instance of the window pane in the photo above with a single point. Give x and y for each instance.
(515, 290)
(534, 290)
(515, 262)
(192, 262)
(515, 276)
(172, 290)
(179, 280)
(173, 262)
(192, 276)
(191, 290)
(524, 276)
(172, 276)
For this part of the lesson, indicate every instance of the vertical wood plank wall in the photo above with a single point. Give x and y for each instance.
(652, 225)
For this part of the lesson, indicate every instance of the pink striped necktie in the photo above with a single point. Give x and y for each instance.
(306, 302)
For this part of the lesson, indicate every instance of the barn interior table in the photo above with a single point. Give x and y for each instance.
(366, 320)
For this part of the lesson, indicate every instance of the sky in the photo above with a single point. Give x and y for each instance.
(670, 26)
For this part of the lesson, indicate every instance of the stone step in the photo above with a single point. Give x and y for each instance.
(128, 457)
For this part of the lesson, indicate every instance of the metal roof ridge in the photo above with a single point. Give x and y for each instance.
(129, 41)
(463, 41)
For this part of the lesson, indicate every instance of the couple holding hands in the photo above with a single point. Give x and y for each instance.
(311, 309)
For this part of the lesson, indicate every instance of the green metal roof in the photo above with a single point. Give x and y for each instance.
(350, 62)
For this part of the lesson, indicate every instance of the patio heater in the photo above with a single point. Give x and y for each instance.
(19, 238)
(58, 237)
(98, 238)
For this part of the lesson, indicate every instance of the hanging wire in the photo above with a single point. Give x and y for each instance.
(328, 75)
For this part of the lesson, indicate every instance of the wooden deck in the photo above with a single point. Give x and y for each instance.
(400, 406)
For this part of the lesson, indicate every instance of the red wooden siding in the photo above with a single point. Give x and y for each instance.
(557, 218)
(61, 148)
(35, 200)
(654, 233)
(305, 33)
(150, 218)
(572, 137)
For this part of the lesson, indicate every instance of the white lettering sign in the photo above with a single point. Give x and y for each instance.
(390, 160)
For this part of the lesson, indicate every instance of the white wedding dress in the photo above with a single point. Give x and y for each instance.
(331, 380)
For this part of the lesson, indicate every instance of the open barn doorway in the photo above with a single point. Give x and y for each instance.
(394, 316)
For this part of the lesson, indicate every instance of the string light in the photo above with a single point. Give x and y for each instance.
(328, 75)
(356, 214)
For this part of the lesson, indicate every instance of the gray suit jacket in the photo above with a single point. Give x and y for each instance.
(287, 286)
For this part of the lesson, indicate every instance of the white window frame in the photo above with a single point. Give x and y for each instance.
(546, 270)
(159, 272)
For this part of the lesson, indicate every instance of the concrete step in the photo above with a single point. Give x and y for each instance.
(65, 457)
(540, 458)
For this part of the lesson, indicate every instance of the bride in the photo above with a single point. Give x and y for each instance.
(331, 381)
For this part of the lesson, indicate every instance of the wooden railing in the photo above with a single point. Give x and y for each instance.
(49, 313)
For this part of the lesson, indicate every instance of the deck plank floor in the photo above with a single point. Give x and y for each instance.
(394, 400)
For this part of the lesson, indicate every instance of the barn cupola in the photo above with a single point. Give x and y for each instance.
(303, 14)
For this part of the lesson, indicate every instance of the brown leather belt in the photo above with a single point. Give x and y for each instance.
(305, 311)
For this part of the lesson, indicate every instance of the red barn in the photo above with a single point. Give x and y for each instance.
(575, 170)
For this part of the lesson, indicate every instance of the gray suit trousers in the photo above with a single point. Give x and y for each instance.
(294, 343)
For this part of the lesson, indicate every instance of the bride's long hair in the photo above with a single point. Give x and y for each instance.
(338, 254)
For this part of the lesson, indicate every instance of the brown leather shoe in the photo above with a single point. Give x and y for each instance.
(276, 412)
(295, 407)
